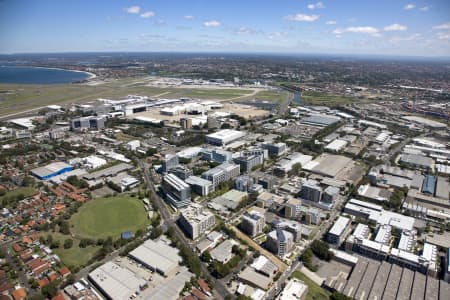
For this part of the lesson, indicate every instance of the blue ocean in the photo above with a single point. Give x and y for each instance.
(34, 75)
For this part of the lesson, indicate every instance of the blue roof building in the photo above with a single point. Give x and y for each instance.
(429, 185)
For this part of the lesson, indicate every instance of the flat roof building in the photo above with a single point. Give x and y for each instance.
(115, 282)
(157, 256)
(224, 137)
(178, 192)
(195, 220)
(294, 290)
(199, 185)
(340, 228)
(51, 170)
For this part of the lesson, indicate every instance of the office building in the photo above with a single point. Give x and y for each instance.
(253, 223)
(311, 191)
(133, 145)
(199, 185)
(243, 183)
(195, 220)
(85, 123)
(181, 172)
(222, 173)
(178, 193)
(186, 123)
(275, 149)
(330, 194)
(247, 163)
(292, 208)
(217, 155)
(170, 161)
(338, 232)
(280, 242)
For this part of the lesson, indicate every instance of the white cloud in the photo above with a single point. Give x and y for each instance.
(318, 5)
(331, 22)
(443, 35)
(244, 30)
(395, 27)
(358, 29)
(133, 9)
(425, 8)
(302, 18)
(277, 34)
(409, 6)
(442, 26)
(212, 23)
(188, 17)
(148, 14)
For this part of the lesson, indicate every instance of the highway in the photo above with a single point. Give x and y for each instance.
(220, 289)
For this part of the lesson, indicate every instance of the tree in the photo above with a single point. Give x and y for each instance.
(339, 296)
(50, 290)
(321, 249)
(206, 256)
(156, 233)
(68, 244)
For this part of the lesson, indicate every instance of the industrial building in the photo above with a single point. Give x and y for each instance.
(107, 172)
(224, 137)
(320, 120)
(336, 145)
(51, 170)
(283, 166)
(195, 220)
(177, 192)
(157, 256)
(115, 282)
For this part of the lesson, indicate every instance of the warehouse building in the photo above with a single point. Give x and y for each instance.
(224, 137)
(51, 170)
(320, 120)
(195, 220)
(157, 256)
(115, 282)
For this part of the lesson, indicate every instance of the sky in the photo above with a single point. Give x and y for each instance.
(373, 27)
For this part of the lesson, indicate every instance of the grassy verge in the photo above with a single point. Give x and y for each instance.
(315, 292)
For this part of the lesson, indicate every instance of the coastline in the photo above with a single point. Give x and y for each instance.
(90, 74)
